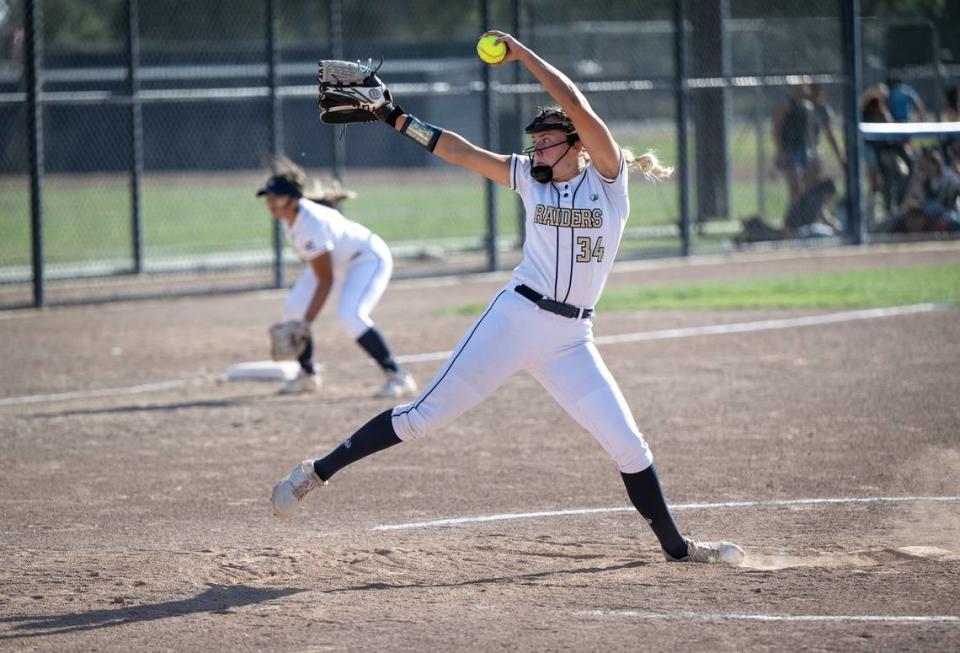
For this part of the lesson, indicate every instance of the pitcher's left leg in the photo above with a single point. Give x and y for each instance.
(580, 382)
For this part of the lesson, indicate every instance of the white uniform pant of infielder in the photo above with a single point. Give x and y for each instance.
(360, 288)
(514, 334)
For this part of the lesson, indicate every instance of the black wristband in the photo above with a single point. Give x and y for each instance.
(391, 118)
(421, 133)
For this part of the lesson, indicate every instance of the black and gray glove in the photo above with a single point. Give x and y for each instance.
(352, 93)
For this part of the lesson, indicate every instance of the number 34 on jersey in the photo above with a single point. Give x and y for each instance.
(590, 249)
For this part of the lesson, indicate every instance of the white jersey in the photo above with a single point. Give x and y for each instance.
(362, 265)
(319, 229)
(573, 231)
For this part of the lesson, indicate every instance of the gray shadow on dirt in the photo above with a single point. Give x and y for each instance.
(232, 402)
(154, 408)
(216, 598)
(493, 579)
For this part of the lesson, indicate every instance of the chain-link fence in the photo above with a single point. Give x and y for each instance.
(15, 253)
(911, 75)
(776, 131)
(157, 120)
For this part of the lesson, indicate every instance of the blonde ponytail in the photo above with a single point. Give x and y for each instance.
(648, 165)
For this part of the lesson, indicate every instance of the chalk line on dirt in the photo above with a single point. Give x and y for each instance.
(98, 392)
(639, 336)
(814, 618)
(734, 327)
(717, 505)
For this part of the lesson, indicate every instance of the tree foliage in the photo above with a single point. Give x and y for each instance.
(99, 24)
(921, 8)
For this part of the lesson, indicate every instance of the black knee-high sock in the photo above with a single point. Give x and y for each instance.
(374, 344)
(376, 435)
(306, 358)
(647, 497)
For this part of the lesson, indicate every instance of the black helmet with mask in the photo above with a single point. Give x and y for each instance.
(550, 120)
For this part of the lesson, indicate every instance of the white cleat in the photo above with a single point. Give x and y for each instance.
(399, 384)
(303, 384)
(288, 492)
(725, 553)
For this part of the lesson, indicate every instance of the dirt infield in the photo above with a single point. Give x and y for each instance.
(139, 517)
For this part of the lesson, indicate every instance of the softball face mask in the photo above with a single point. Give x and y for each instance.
(549, 120)
(544, 173)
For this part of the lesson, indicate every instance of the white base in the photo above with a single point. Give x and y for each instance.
(263, 371)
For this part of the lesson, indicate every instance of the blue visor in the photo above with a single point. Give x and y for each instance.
(280, 186)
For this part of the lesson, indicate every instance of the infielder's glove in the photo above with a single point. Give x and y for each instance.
(289, 339)
(351, 92)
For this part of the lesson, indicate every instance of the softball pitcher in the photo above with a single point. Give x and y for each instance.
(341, 255)
(573, 184)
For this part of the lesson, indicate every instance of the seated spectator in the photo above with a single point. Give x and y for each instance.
(756, 230)
(951, 113)
(810, 216)
(933, 197)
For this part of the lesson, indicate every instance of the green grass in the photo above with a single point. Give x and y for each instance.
(90, 222)
(87, 216)
(848, 289)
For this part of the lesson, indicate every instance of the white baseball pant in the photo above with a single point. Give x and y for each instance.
(514, 334)
(360, 286)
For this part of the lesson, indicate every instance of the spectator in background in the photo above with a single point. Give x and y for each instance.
(794, 132)
(873, 108)
(939, 189)
(878, 92)
(951, 113)
(932, 200)
(889, 162)
(903, 101)
(810, 216)
(823, 120)
(11, 44)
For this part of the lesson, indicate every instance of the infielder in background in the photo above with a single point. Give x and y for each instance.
(340, 254)
(574, 190)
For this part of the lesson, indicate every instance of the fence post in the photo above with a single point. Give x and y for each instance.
(759, 118)
(490, 142)
(850, 17)
(710, 56)
(276, 128)
(33, 50)
(937, 73)
(682, 110)
(335, 36)
(520, 32)
(136, 134)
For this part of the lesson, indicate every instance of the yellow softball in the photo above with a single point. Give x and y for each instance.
(489, 50)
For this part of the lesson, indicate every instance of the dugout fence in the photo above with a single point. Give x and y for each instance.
(133, 133)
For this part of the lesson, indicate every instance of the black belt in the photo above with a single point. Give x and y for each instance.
(553, 306)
